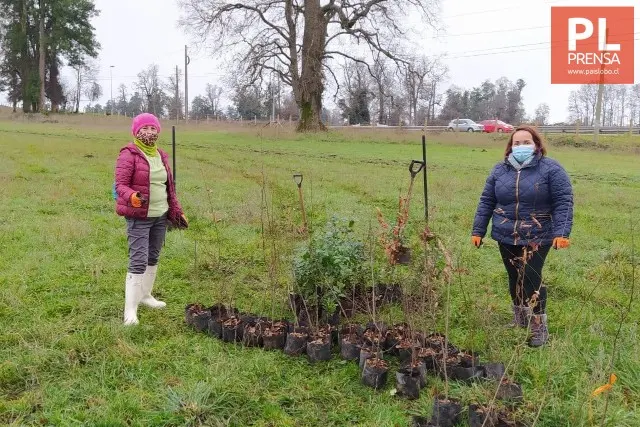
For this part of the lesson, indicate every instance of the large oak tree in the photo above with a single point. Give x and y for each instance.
(296, 38)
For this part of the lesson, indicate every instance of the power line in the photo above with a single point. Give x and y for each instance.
(509, 51)
(481, 12)
(549, 43)
(514, 30)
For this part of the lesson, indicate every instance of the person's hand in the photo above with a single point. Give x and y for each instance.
(476, 241)
(182, 221)
(561, 243)
(137, 200)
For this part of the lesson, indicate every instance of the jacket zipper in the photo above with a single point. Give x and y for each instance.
(515, 224)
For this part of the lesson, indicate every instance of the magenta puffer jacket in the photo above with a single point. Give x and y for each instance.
(132, 175)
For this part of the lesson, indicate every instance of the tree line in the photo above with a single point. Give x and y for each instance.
(620, 105)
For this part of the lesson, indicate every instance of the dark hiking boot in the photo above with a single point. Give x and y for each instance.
(521, 314)
(539, 331)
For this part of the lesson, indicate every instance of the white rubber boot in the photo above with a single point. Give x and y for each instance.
(147, 287)
(132, 296)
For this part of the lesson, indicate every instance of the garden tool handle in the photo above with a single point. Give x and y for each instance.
(412, 168)
(297, 178)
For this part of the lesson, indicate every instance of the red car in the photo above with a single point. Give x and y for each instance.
(490, 126)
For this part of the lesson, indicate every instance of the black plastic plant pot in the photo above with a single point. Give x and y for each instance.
(509, 391)
(232, 329)
(468, 358)
(274, 340)
(319, 350)
(394, 336)
(481, 416)
(350, 347)
(219, 314)
(460, 373)
(419, 367)
(219, 311)
(368, 353)
(296, 343)
(374, 373)
(493, 371)
(390, 344)
(404, 350)
(429, 357)
(446, 412)
(252, 336)
(408, 383)
(436, 341)
(274, 336)
(190, 310)
(375, 334)
(352, 329)
(201, 321)
(215, 327)
(448, 365)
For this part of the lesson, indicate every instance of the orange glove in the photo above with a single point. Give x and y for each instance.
(137, 200)
(476, 241)
(560, 243)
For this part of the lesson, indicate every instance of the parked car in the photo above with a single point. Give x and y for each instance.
(465, 125)
(490, 126)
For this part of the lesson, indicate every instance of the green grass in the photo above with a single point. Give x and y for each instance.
(65, 358)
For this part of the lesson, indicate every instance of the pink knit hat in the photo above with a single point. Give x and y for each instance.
(144, 119)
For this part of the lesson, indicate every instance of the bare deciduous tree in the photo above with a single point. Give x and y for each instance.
(295, 39)
(175, 98)
(542, 114)
(151, 91)
(213, 94)
(86, 72)
(421, 78)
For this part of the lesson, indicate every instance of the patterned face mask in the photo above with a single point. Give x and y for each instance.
(148, 136)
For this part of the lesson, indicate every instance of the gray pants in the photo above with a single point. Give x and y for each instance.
(146, 237)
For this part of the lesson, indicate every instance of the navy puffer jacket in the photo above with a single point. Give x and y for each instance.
(530, 206)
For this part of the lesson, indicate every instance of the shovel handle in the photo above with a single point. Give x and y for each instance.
(297, 178)
(412, 167)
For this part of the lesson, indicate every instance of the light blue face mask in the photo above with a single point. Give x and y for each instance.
(522, 152)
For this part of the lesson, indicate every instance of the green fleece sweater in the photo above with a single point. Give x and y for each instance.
(158, 203)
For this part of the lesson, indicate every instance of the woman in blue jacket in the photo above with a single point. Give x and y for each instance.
(529, 199)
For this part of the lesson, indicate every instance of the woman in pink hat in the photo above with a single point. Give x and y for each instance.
(146, 197)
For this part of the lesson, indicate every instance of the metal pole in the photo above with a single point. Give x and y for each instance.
(111, 74)
(187, 61)
(173, 146)
(426, 193)
(273, 93)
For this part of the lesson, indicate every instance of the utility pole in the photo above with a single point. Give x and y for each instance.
(187, 61)
(273, 94)
(177, 96)
(596, 124)
(111, 76)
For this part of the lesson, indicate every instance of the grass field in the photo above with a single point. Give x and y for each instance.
(66, 359)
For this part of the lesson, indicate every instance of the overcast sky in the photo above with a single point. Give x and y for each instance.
(483, 39)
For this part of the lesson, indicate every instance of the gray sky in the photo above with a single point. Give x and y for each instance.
(483, 39)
